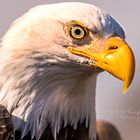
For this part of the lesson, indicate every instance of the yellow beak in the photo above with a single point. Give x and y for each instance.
(116, 57)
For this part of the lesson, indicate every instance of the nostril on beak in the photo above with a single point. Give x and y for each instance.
(113, 48)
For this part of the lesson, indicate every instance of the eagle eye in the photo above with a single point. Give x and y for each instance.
(77, 31)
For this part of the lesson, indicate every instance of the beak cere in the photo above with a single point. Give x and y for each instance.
(117, 58)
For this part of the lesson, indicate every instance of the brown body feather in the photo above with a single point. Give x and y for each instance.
(6, 125)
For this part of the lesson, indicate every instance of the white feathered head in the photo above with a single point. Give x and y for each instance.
(49, 61)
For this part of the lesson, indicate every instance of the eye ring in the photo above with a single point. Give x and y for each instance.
(77, 31)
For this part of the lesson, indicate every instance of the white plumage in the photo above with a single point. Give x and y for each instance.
(40, 81)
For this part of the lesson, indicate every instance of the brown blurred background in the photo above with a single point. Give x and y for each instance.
(112, 105)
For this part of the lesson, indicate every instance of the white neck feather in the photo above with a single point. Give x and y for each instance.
(54, 94)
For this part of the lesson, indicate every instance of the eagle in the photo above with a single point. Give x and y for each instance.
(49, 62)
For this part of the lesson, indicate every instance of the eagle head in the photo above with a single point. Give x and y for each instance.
(50, 58)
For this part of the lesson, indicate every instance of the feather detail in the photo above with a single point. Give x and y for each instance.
(41, 83)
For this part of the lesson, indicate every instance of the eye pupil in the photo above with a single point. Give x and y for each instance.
(77, 31)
